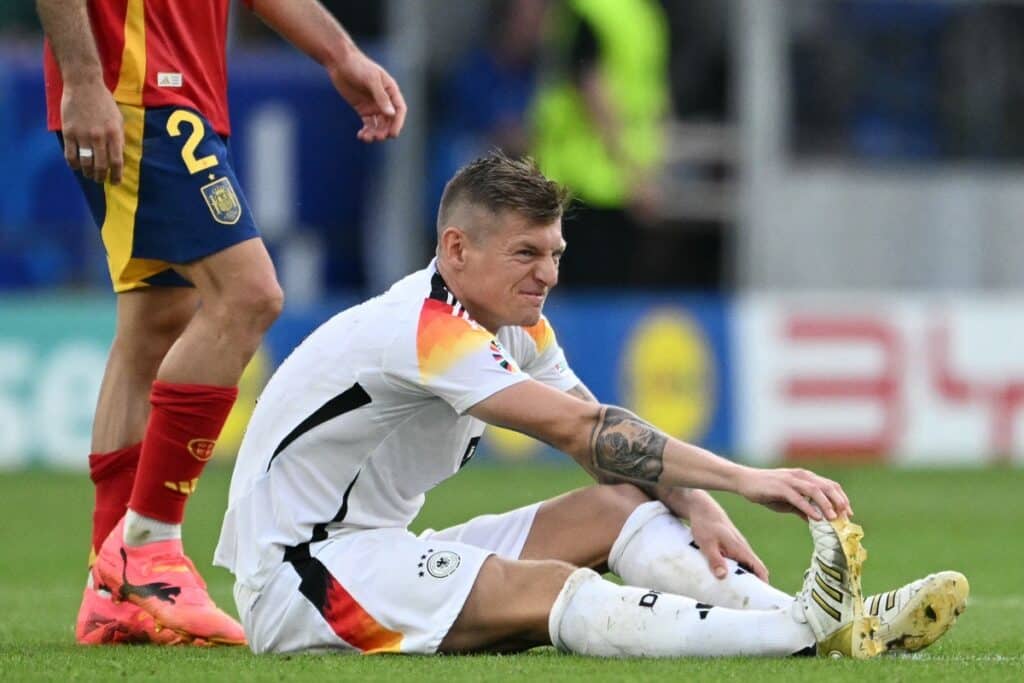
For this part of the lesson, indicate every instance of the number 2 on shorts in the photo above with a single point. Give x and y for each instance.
(188, 151)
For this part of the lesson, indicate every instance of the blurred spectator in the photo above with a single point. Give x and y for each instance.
(482, 103)
(597, 127)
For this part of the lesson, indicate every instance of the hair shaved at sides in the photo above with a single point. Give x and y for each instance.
(495, 183)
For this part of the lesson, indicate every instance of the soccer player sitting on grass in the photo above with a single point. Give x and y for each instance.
(389, 398)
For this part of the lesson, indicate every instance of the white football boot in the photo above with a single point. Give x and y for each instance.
(831, 597)
(916, 615)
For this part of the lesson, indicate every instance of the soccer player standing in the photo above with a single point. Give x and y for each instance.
(137, 92)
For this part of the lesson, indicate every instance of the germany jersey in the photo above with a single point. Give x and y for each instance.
(157, 53)
(367, 415)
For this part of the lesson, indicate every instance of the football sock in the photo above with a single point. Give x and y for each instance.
(592, 616)
(655, 549)
(183, 427)
(139, 530)
(112, 474)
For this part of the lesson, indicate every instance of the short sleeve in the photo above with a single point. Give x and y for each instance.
(454, 358)
(547, 362)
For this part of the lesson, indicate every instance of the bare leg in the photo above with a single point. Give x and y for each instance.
(196, 389)
(581, 526)
(191, 399)
(148, 323)
(241, 299)
(509, 606)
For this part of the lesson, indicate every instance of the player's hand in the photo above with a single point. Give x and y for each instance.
(718, 539)
(795, 490)
(373, 93)
(93, 130)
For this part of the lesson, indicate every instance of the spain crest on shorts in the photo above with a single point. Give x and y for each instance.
(223, 202)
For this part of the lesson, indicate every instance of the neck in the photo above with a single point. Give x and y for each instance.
(454, 286)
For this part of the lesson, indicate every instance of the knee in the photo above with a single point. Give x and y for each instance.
(253, 305)
(170, 321)
(146, 339)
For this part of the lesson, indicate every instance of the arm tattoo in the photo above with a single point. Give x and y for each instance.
(624, 445)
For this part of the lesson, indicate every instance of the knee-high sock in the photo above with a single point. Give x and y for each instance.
(592, 616)
(183, 426)
(655, 549)
(113, 474)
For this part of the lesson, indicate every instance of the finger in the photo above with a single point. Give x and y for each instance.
(820, 499)
(100, 164)
(840, 499)
(86, 158)
(365, 133)
(835, 494)
(71, 152)
(370, 131)
(116, 160)
(380, 127)
(803, 505)
(716, 561)
(395, 93)
(746, 557)
(755, 564)
(830, 489)
(380, 94)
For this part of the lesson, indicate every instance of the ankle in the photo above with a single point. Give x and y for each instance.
(140, 530)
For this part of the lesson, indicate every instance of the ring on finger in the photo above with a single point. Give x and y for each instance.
(85, 153)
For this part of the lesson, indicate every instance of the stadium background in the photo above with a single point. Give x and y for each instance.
(833, 268)
(831, 271)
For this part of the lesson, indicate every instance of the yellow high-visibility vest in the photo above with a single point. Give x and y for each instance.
(633, 54)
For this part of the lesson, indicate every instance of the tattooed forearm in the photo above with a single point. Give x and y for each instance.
(623, 445)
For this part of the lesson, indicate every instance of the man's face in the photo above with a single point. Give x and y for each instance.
(509, 271)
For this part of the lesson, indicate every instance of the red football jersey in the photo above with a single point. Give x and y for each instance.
(157, 53)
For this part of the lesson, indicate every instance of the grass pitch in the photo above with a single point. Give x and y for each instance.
(915, 521)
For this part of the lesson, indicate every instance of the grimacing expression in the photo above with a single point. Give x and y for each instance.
(510, 268)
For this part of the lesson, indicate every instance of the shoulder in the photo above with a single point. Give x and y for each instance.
(541, 334)
(445, 333)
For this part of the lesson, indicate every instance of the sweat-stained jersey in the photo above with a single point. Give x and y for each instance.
(157, 53)
(366, 416)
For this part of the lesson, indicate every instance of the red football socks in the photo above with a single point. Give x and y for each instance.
(113, 474)
(183, 427)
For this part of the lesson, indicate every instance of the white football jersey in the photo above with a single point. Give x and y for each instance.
(367, 415)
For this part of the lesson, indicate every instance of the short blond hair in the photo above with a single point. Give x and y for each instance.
(497, 183)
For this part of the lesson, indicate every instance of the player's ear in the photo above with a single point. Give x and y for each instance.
(452, 246)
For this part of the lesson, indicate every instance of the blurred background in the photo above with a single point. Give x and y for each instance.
(797, 232)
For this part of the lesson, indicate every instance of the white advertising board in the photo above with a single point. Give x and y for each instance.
(883, 377)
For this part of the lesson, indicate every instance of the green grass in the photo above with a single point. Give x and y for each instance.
(916, 521)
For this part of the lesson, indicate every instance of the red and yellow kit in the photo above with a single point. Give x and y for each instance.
(157, 53)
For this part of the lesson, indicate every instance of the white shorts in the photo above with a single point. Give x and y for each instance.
(381, 590)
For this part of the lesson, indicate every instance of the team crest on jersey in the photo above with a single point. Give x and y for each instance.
(499, 355)
(223, 202)
(443, 563)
